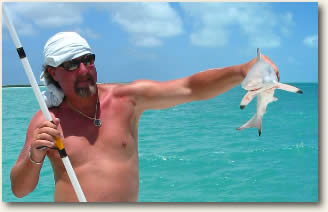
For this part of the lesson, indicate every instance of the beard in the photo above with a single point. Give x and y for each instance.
(88, 91)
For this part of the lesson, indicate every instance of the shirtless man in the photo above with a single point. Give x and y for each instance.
(105, 158)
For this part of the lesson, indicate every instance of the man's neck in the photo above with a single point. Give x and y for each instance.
(86, 105)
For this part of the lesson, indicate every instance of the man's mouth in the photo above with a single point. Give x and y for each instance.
(84, 82)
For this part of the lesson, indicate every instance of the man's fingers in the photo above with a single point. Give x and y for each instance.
(45, 148)
(56, 121)
(47, 124)
(273, 65)
(45, 136)
(48, 130)
(44, 145)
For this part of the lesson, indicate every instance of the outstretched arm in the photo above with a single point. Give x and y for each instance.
(200, 86)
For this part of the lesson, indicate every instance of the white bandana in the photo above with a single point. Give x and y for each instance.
(61, 47)
(64, 46)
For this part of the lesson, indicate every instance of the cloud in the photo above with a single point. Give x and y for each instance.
(311, 41)
(286, 22)
(147, 23)
(29, 17)
(87, 32)
(214, 24)
(207, 37)
(22, 27)
(148, 41)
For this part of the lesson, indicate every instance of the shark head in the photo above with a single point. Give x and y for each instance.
(261, 75)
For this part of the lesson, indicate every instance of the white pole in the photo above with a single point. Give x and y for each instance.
(43, 106)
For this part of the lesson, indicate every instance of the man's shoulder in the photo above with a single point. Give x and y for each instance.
(113, 88)
(112, 85)
(108, 86)
(37, 118)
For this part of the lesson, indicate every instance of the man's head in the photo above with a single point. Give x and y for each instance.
(68, 56)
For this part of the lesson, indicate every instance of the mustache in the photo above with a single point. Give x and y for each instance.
(84, 78)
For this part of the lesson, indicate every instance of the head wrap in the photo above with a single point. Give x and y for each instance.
(64, 46)
(61, 47)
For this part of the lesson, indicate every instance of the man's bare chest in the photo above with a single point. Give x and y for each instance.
(116, 139)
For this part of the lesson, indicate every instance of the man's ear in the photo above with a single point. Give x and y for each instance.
(52, 72)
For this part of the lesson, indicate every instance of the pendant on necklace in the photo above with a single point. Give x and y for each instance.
(97, 122)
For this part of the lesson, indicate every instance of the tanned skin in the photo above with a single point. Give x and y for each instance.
(105, 159)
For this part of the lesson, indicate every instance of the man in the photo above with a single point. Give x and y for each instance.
(98, 123)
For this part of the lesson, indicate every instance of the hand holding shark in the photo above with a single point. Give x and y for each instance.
(261, 81)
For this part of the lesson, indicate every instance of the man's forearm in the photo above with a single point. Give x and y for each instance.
(212, 82)
(24, 177)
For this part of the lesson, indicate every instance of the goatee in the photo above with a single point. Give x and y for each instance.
(86, 92)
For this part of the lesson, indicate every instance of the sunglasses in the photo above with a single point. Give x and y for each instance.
(74, 64)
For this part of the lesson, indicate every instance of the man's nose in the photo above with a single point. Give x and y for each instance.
(83, 69)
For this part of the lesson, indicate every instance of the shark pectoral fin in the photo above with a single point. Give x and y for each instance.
(247, 99)
(289, 88)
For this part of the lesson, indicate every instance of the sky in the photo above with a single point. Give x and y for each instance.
(164, 41)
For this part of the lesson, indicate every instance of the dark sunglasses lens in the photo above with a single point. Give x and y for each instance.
(88, 59)
(70, 66)
(74, 64)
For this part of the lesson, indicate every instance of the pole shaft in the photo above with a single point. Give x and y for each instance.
(43, 106)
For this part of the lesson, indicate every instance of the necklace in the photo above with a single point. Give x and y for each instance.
(96, 122)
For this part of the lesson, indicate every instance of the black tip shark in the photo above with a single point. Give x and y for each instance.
(261, 81)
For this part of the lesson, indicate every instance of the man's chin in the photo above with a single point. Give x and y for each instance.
(86, 91)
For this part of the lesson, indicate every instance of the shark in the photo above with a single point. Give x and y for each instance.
(261, 82)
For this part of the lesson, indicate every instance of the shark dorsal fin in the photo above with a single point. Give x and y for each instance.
(258, 54)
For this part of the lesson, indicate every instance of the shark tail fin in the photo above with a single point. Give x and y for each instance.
(253, 122)
(249, 96)
(289, 88)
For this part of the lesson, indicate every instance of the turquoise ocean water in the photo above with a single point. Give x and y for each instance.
(193, 152)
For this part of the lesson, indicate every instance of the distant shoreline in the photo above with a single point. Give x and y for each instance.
(10, 86)
(28, 85)
(23, 86)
